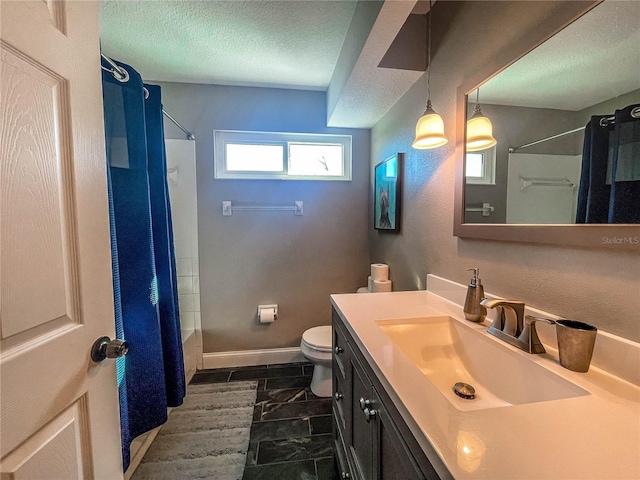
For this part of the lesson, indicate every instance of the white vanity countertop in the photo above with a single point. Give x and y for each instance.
(594, 436)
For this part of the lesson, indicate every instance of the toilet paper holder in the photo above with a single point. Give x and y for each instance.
(268, 309)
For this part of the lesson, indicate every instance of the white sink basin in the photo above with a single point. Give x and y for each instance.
(446, 351)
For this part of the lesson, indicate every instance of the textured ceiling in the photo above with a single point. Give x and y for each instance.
(592, 60)
(297, 43)
(279, 44)
(291, 44)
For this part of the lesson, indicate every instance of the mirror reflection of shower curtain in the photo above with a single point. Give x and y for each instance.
(151, 376)
(610, 176)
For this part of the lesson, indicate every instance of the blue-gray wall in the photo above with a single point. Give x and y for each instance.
(599, 285)
(252, 257)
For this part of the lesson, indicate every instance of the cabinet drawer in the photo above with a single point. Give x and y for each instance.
(339, 400)
(340, 350)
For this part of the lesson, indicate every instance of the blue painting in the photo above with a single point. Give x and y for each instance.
(387, 194)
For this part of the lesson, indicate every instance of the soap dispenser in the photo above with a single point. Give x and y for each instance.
(473, 311)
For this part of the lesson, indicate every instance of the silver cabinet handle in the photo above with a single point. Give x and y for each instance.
(364, 403)
(338, 349)
(104, 347)
(338, 396)
(369, 414)
(345, 475)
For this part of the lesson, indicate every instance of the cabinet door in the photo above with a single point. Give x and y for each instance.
(391, 456)
(340, 350)
(341, 381)
(361, 429)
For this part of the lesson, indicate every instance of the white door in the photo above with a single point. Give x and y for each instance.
(59, 410)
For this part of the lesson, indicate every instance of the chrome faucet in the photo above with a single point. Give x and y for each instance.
(511, 325)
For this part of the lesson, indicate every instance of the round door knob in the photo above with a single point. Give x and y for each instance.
(364, 403)
(369, 414)
(338, 396)
(104, 347)
(338, 349)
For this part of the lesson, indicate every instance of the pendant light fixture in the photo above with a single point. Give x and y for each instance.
(479, 130)
(430, 127)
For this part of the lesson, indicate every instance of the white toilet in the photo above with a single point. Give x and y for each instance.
(316, 347)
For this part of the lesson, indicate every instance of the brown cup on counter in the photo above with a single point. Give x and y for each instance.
(575, 344)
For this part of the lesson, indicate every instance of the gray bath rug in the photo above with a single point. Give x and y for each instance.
(206, 437)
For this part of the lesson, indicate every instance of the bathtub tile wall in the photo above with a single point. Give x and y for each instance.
(187, 321)
(185, 284)
(186, 302)
(182, 191)
(183, 265)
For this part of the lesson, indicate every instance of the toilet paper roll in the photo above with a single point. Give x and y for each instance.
(379, 271)
(381, 286)
(267, 315)
(370, 284)
(363, 290)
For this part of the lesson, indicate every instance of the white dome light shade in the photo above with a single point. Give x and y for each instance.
(429, 130)
(479, 132)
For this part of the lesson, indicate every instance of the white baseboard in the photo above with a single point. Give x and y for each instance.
(247, 358)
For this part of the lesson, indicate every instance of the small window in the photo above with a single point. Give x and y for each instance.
(253, 158)
(316, 160)
(284, 156)
(480, 167)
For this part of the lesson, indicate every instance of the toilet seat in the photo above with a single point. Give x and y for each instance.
(318, 338)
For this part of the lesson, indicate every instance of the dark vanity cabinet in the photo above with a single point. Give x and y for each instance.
(371, 439)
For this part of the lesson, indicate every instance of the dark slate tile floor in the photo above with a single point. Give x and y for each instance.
(291, 429)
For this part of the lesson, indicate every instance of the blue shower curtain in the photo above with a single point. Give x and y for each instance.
(151, 376)
(610, 176)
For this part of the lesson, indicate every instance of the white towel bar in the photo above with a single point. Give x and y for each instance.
(228, 208)
(545, 182)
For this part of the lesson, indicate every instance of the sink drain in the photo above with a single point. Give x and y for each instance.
(464, 390)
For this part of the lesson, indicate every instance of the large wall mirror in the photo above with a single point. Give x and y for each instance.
(565, 109)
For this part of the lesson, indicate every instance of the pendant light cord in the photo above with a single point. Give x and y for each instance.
(429, 56)
(476, 108)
